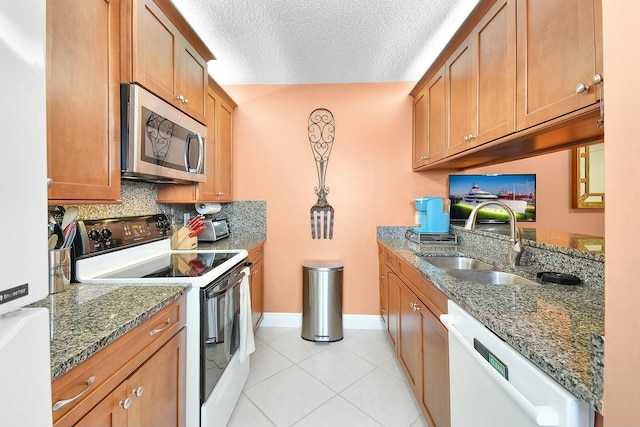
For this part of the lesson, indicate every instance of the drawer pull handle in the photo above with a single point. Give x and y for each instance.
(125, 404)
(414, 306)
(60, 403)
(155, 331)
(137, 392)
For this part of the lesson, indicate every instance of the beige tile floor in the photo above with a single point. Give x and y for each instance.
(353, 382)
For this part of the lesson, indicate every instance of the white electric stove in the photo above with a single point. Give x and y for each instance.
(138, 250)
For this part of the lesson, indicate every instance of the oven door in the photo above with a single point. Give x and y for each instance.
(219, 329)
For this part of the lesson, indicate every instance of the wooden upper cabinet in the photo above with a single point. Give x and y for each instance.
(496, 55)
(218, 186)
(481, 81)
(429, 122)
(462, 86)
(559, 47)
(160, 57)
(83, 101)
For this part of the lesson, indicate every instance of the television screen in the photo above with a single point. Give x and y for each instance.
(518, 191)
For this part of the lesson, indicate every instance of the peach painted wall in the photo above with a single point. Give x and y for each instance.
(622, 157)
(370, 178)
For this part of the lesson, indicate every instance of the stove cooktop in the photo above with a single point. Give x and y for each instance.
(173, 265)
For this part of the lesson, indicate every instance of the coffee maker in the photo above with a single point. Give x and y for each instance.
(434, 214)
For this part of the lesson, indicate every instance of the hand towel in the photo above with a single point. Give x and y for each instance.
(247, 343)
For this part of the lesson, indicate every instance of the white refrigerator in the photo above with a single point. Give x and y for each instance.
(25, 372)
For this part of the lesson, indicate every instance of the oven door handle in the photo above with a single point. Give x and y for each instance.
(214, 294)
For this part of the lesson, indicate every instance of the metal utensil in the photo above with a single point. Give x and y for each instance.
(321, 128)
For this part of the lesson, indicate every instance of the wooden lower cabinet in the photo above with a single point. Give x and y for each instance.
(435, 362)
(151, 396)
(393, 323)
(421, 341)
(138, 380)
(256, 283)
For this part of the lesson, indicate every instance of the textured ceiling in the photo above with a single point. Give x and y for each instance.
(326, 41)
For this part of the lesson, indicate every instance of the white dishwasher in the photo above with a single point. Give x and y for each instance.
(494, 385)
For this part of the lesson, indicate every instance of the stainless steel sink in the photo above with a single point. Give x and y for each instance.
(490, 277)
(457, 263)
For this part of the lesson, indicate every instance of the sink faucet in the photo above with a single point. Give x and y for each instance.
(517, 247)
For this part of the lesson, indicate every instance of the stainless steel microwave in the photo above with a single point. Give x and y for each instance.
(159, 143)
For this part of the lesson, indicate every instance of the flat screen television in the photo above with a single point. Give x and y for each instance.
(516, 190)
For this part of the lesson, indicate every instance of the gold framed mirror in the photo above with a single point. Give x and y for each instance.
(588, 176)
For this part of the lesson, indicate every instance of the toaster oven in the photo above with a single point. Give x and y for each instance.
(215, 229)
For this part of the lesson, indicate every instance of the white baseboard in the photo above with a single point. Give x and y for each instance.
(294, 320)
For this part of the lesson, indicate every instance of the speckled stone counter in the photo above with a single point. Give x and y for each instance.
(87, 318)
(558, 328)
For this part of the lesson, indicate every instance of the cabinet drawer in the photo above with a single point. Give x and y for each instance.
(390, 259)
(84, 386)
(256, 253)
(431, 296)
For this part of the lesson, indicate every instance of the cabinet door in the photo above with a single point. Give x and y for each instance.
(157, 388)
(193, 82)
(435, 362)
(462, 97)
(156, 50)
(558, 49)
(110, 412)
(410, 352)
(83, 100)
(430, 122)
(482, 81)
(224, 123)
(495, 37)
(393, 324)
(257, 292)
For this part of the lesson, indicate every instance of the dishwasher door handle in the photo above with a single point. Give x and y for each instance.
(544, 416)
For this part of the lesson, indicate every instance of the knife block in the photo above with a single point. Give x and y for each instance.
(181, 240)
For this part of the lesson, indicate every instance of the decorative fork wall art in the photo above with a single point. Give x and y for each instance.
(321, 128)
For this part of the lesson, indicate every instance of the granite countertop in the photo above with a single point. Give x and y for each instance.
(558, 328)
(87, 317)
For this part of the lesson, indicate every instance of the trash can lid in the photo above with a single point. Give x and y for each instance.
(323, 265)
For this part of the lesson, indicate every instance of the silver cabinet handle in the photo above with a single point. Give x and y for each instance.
(414, 306)
(180, 98)
(155, 331)
(597, 79)
(49, 182)
(582, 88)
(186, 101)
(137, 392)
(125, 404)
(60, 403)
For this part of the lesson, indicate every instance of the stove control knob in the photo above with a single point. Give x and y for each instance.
(94, 235)
(106, 234)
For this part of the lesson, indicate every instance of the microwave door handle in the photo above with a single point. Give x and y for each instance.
(200, 153)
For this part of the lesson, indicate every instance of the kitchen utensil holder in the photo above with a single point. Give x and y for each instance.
(59, 269)
(181, 239)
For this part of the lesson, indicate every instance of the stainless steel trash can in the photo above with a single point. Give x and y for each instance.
(322, 300)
